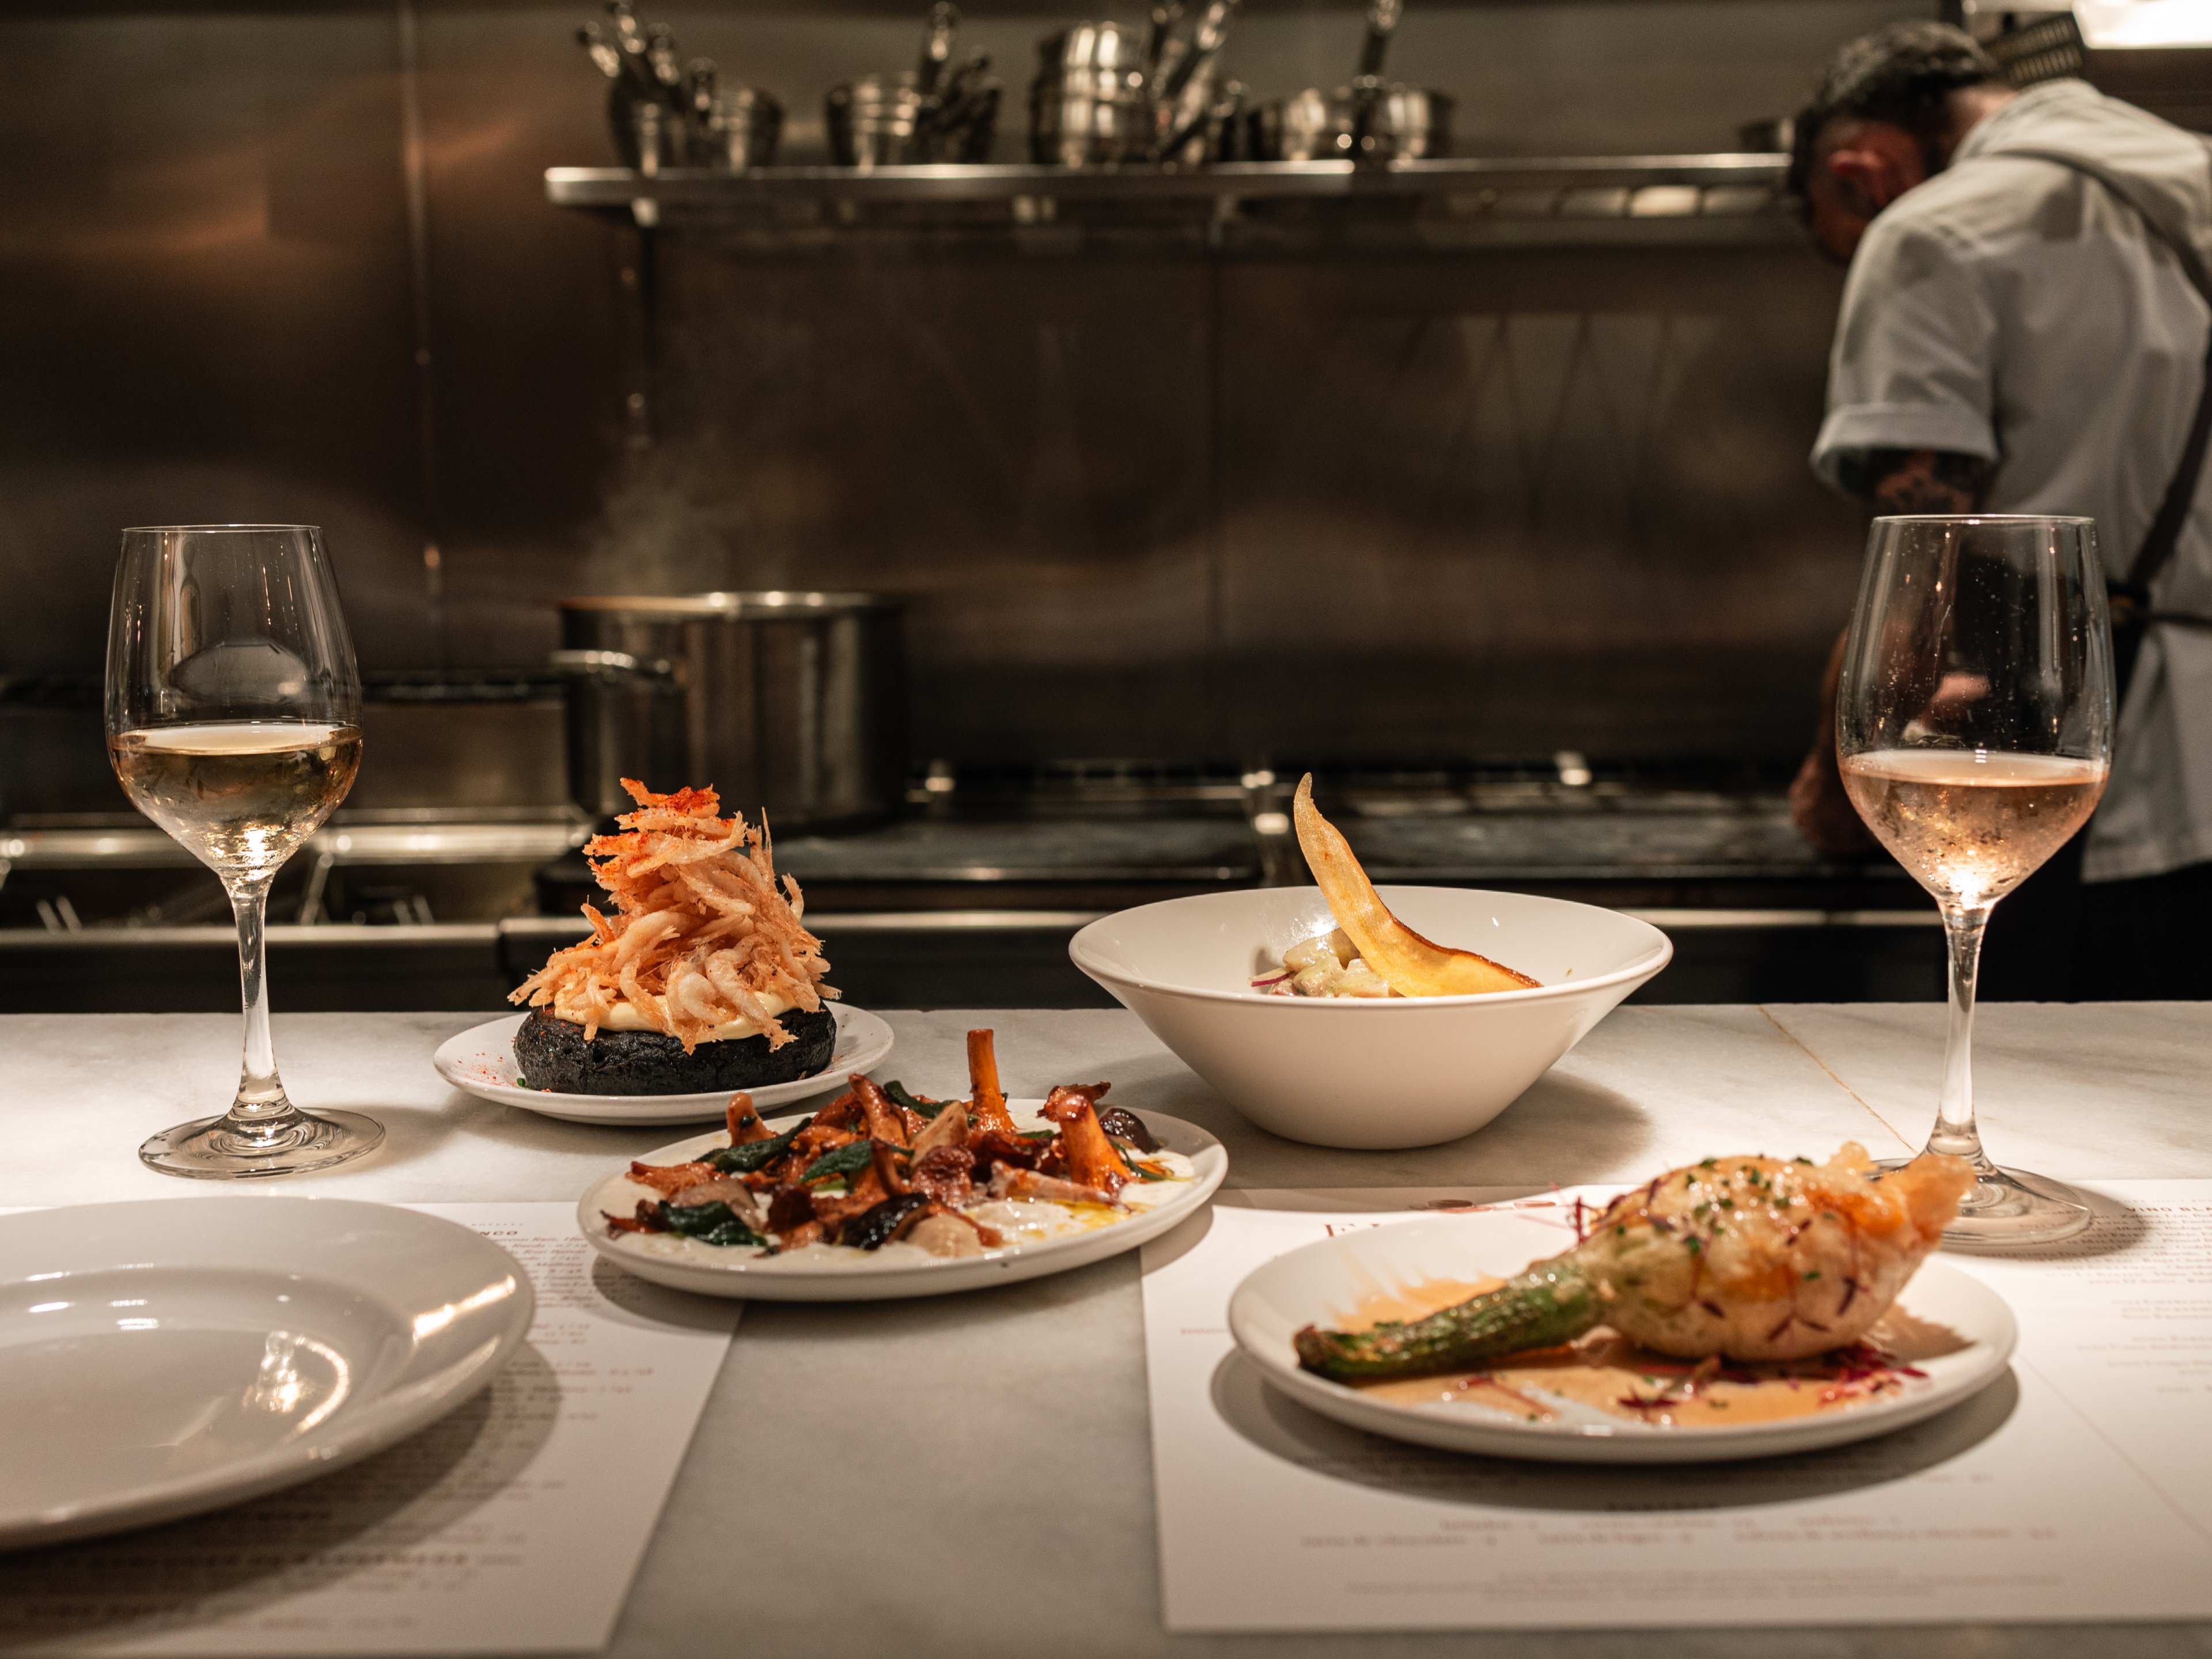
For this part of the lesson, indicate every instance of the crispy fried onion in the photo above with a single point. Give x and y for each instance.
(701, 934)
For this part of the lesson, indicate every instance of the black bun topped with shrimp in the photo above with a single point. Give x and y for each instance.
(703, 979)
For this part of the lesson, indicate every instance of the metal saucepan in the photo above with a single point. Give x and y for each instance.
(733, 127)
(874, 121)
(1402, 123)
(789, 702)
(1371, 119)
(1091, 103)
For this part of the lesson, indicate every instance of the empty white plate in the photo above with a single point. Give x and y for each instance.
(481, 1060)
(862, 1277)
(1319, 1283)
(163, 1357)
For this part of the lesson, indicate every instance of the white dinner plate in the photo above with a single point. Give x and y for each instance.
(481, 1060)
(1317, 1283)
(772, 1279)
(163, 1357)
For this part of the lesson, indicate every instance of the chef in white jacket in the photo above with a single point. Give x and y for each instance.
(2027, 328)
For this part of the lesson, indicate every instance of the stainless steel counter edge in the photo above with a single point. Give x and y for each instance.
(370, 936)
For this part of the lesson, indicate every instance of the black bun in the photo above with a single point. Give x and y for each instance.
(555, 1055)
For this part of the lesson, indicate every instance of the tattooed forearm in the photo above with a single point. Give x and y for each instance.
(1919, 480)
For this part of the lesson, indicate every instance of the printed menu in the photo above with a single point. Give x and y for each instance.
(513, 1526)
(2078, 1487)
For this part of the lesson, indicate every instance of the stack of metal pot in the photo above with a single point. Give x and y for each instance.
(932, 112)
(1107, 94)
(1370, 120)
(664, 114)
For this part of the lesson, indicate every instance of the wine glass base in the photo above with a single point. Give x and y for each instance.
(2011, 1206)
(218, 1149)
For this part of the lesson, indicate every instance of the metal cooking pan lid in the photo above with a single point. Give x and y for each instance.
(770, 602)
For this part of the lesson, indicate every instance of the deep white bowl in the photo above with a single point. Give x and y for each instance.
(1395, 1072)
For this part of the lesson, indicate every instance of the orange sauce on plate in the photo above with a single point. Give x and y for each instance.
(1605, 1371)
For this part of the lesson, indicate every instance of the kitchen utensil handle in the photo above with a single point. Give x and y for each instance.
(1163, 20)
(1205, 43)
(610, 665)
(1381, 21)
(936, 45)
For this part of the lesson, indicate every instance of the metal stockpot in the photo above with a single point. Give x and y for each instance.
(790, 703)
(737, 129)
(1403, 123)
(873, 122)
(1092, 102)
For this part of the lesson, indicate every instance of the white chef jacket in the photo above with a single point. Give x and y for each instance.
(2017, 311)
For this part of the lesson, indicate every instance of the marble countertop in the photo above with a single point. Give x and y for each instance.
(1052, 1371)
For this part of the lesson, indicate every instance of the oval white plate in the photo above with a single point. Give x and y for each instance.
(163, 1357)
(481, 1060)
(770, 1279)
(1312, 1285)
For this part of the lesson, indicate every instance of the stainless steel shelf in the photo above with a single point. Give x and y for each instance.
(1596, 198)
(139, 846)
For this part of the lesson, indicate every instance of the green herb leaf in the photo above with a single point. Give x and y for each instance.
(840, 1161)
(896, 1093)
(754, 1154)
(1038, 1134)
(1148, 1172)
(714, 1224)
(1815, 1274)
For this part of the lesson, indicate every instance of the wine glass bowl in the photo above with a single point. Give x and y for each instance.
(1974, 734)
(233, 722)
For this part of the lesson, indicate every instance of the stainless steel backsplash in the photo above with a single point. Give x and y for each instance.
(294, 262)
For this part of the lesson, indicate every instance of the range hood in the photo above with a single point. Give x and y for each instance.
(2155, 53)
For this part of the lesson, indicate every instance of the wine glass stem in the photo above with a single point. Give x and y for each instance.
(261, 1104)
(1955, 1116)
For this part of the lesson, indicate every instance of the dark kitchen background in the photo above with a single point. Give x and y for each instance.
(1496, 515)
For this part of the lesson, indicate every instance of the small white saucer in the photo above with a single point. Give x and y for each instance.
(481, 1060)
(164, 1358)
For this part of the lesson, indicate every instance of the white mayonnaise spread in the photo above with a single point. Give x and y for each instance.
(620, 1016)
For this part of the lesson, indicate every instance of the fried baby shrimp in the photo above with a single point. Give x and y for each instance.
(702, 934)
(1749, 1258)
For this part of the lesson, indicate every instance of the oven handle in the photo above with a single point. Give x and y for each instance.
(612, 665)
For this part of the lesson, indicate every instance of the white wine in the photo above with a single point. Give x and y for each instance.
(239, 795)
(1971, 824)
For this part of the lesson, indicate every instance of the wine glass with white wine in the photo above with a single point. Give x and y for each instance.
(233, 721)
(1974, 726)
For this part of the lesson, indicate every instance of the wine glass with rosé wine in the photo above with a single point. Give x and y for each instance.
(1974, 728)
(233, 721)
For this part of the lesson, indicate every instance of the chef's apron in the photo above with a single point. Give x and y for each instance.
(2039, 927)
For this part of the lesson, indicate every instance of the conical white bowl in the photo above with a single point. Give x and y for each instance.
(1358, 1072)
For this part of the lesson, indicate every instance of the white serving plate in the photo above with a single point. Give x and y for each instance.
(1311, 1285)
(1395, 1072)
(163, 1357)
(772, 1279)
(481, 1060)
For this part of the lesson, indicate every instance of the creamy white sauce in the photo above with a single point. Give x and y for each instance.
(621, 1016)
(1023, 1222)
